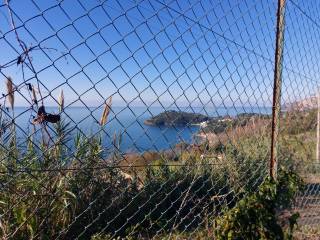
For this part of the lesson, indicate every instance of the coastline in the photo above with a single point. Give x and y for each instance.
(209, 136)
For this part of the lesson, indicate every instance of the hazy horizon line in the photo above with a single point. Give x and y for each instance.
(187, 106)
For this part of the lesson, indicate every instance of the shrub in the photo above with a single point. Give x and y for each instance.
(255, 216)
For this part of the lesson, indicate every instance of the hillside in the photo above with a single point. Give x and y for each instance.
(302, 105)
(220, 124)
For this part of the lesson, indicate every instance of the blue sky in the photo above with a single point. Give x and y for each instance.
(147, 52)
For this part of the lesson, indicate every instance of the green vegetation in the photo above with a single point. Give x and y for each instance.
(51, 192)
(222, 124)
(175, 118)
(255, 216)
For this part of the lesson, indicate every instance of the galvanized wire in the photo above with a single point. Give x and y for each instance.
(75, 178)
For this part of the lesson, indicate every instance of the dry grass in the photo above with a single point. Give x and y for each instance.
(34, 95)
(256, 127)
(136, 160)
(307, 232)
(106, 111)
(10, 92)
(61, 101)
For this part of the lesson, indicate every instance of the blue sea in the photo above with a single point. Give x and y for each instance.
(126, 122)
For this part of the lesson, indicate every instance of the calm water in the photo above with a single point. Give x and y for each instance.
(129, 123)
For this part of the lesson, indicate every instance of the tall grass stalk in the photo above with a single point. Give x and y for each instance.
(61, 101)
(106, 111)
(10, 92)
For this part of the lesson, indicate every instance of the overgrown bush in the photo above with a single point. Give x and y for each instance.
(94, 193)
(169, 199)
(299, 121)
(100, 197)
(256, 215)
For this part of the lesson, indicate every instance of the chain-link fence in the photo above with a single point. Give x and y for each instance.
(145, 119)
(301, 92)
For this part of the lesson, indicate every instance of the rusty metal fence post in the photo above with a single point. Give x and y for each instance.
(276, 106)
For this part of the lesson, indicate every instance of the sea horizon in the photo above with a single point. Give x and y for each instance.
(127, 122)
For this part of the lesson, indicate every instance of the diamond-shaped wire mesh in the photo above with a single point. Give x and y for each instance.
(300, 99)
(146, 118)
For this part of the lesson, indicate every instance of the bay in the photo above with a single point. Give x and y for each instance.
(126, 122)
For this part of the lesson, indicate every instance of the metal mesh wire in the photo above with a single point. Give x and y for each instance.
(84, 151)
(300, 92)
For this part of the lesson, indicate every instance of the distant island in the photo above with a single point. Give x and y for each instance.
(208, 124)
(176, 118)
